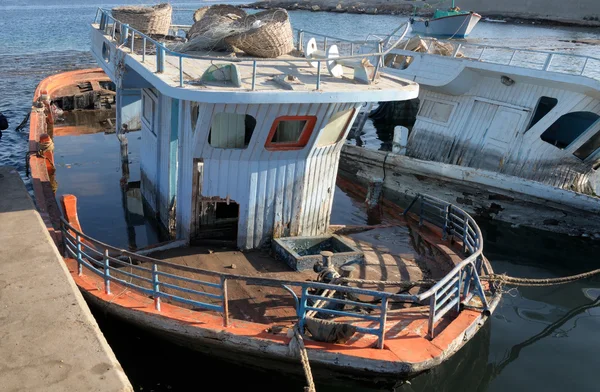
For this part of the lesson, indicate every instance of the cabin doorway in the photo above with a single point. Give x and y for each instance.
(215, 218)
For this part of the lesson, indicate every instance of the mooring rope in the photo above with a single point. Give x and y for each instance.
(42, 148)
(513, 281)
(495, 278)
(304, 360)
(23, 123)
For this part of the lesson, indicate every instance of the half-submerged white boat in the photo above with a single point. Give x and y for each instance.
(446, 23)
(509, 134)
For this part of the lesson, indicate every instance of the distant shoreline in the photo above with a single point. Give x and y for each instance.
(407, 8)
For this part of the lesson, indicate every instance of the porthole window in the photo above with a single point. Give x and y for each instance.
(231, 130)
(290, 132)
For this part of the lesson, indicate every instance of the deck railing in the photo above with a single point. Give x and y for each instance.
(456, 288)
(127, 36)
(462, 283)
(565, 63)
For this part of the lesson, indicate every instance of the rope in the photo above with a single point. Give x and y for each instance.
(42, 148)
(23, 123)
(404, 283)
(304, 360)
(513, 281)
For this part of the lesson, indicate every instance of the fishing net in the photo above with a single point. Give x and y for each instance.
(264, 34)
(215, 23)
(148, 20)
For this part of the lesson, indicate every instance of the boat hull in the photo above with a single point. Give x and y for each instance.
(455, 26)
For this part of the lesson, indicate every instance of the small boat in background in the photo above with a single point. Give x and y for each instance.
(447, 23)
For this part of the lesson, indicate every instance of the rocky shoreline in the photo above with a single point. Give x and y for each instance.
(412, 7)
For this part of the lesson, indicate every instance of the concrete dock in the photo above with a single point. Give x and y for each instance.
(49, 340)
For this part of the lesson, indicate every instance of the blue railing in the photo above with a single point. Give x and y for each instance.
(456, 288)
(125, 36)
(462, 283)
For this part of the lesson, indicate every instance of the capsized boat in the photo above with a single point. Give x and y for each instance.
(447, 23)
(243, 167)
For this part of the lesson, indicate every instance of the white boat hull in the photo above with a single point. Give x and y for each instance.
(456, 26)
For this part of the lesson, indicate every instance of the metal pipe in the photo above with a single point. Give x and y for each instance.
(155, 287)
(106, 272)
(180, 71)
(144, 51)
(225, 302)
(79, 267)
(253, 75)
(382, 322)
(318, 75)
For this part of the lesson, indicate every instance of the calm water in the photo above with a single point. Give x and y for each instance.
(539, 339)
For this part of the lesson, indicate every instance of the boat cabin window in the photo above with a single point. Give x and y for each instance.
(290, 132)
(336, 127)
(588, 148)
(568, 128)
(544, 106)
(231, 130)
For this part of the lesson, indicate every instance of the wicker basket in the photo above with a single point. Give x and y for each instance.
(154, 20)
(264, 34)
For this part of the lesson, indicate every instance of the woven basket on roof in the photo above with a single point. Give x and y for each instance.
(216, 23)
(148, 20)
(264, 34)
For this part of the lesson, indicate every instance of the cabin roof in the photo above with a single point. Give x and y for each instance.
(286, 79)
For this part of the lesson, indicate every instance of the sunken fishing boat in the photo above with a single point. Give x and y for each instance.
(239, 159)
(506, 133)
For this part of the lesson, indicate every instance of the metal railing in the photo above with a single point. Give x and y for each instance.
(462, 283)
(569, 63)
(127, 36)
(459, 286)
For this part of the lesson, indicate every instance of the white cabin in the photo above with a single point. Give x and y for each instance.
(242, 150)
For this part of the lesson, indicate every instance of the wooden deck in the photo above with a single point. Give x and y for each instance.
(389, 255)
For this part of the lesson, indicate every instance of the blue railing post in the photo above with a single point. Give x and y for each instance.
(144, 50)
(299, 43)
(79, 266)
(225, 302)
(106, 272)
(124, 33)
(432, 302)
(180, 71)
(302, 309)
(253, 75)
(445, 228)
(102, 21)
(318, 75)
(155, 287)
(132, 41)
(160, 58)
(384, 302)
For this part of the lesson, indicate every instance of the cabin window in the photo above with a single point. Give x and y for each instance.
(568, 128)
(544, 106)
(589, 147)
(106, 52)
(194, 113)
(335, 128)
(290, 132)
(231, 130)
(436, 111)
